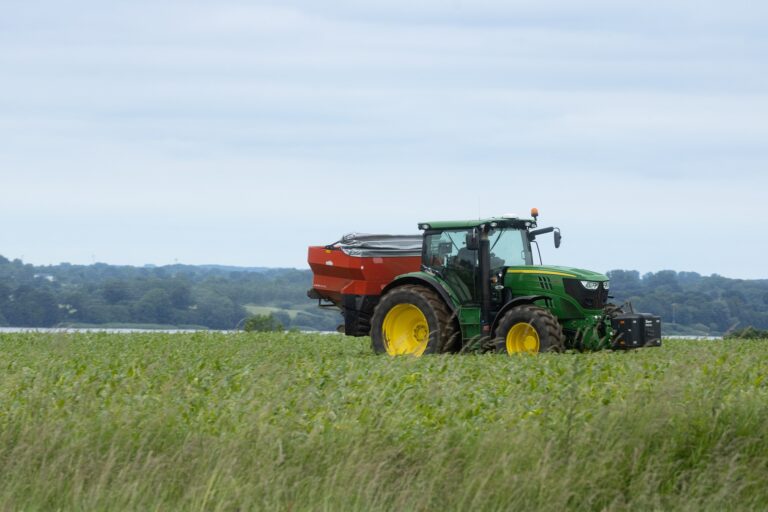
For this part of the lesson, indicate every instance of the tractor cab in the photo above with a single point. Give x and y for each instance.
(473, 256)
(453, 252)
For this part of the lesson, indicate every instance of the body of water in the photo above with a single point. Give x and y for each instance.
(97, 329)
(178, 331)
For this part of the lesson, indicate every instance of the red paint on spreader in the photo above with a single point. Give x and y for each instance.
(335, 273)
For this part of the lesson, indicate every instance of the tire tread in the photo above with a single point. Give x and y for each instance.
(448, 334)
(553, 329)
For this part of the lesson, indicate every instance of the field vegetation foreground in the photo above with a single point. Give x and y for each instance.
(317, 422)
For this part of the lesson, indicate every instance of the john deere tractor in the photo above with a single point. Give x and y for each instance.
(474, 286)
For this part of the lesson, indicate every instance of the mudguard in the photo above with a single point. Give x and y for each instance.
(430, 281)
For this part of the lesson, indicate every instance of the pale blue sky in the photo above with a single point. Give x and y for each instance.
(240, 132)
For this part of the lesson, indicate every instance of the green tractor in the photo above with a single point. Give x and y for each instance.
(474, 287)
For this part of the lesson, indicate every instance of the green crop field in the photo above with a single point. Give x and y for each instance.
(316, 422)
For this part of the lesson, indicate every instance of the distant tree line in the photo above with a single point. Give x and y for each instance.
(217, 297)
(176, 295)
(690, 302)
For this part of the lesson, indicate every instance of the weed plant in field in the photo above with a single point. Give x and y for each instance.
(314, 422)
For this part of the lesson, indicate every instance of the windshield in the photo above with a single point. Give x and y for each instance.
(509, 247)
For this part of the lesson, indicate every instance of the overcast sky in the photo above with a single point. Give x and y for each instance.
(136, 132)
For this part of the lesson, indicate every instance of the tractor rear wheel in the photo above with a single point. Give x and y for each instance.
(412, 320)
(530, 329)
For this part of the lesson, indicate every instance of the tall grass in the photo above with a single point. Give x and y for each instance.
(300, 422)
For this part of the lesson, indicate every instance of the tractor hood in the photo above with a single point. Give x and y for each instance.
(552, 270)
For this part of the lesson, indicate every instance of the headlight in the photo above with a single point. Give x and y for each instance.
(606, 285)
(590, 285)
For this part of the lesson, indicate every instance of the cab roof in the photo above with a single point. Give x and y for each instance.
(505, 222)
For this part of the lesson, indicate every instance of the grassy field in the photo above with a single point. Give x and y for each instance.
(316, 422)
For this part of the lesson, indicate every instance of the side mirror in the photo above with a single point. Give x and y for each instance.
(473, 241)
(558, 238)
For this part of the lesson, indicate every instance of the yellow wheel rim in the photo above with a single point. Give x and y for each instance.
(522, 337)
(405, 331)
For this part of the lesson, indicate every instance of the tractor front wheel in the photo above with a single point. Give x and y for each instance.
(411, 320)
(530, 329)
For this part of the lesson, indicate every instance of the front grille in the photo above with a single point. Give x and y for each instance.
(588, 299)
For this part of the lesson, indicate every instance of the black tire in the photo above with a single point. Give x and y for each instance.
(442, 331)
(548, 330)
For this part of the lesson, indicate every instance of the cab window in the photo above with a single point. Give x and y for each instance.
(449, 249)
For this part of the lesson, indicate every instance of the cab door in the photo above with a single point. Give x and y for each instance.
(447, 253)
